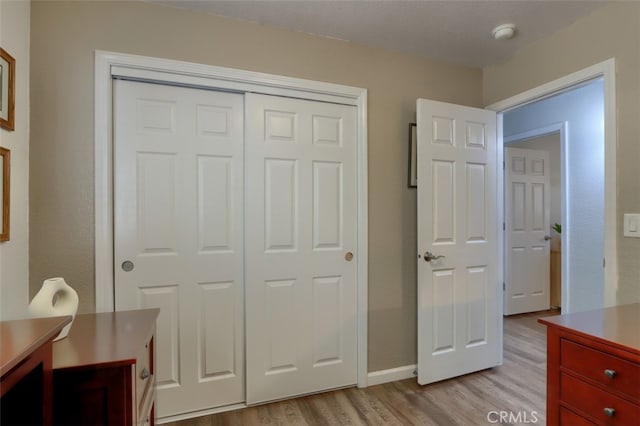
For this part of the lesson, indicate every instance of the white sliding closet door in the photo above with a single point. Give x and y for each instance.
(301, 236)
(178, 206)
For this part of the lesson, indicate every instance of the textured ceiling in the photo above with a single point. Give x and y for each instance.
(452, 31)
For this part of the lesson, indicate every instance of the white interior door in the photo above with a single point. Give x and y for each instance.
(527, 240)
(458, 289)
(178, 205)
(301, 229)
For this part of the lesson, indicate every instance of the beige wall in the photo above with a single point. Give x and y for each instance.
(14, 254)
(64, 37)
(612, 31)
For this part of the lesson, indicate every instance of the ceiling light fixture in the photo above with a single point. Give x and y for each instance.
(503, 32)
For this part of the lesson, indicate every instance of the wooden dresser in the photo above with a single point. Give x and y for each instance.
(593, 367)
(103, 372)
(25, 367)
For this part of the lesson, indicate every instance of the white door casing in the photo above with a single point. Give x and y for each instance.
(301, 236)
(114, 65)
(178, 181)
(459, 317)
(527, 230)
(606, 70)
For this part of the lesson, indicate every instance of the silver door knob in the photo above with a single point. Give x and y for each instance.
(127, 266)
(144, 373)
(428, 256)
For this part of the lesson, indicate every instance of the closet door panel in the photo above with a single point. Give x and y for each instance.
(300, 223)
(178, 221)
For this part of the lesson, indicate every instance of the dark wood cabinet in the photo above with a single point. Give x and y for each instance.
(593, 367)
(104, 371)
(25, 367)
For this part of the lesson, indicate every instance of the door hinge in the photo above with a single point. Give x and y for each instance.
(504, 165)
(504, 227)
(504, 287)
(604, 262)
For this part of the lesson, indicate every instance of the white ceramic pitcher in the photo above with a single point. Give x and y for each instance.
(55, 298)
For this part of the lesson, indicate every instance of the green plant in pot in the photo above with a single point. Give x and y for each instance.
(555, 243)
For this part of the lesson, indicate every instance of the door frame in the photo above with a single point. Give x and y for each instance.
(607, 71)
(110, 65)
(562, 129)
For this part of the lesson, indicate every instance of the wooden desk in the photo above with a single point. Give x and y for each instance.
(25, 367)
(103, 372)
(593, 367)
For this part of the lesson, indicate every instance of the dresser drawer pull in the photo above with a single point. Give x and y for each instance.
(610, 373)
(144, 374)
(609, 412)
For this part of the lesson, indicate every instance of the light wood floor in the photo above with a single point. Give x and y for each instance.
(517, 386)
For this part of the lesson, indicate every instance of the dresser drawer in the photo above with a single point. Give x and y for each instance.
(569, 418)
(595, 365)
(593, 401)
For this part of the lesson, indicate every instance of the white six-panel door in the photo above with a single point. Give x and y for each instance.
(180, 210)
(178, 205)
(301, 237)
(527, 241)
(458, 293)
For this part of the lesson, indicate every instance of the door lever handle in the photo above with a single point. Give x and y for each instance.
(428, 256)
(547, 238)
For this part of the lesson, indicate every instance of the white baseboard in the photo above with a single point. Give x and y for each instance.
(391, 375)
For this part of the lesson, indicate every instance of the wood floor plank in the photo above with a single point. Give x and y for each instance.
(519, 385)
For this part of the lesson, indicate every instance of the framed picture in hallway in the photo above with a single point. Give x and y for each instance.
(7, 90)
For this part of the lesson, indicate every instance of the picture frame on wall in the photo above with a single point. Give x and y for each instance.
(413, 156)
(7, 90)
(5, 175)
